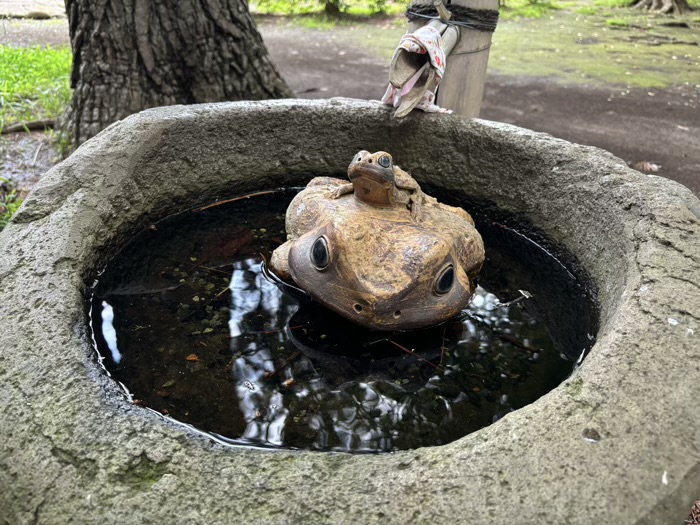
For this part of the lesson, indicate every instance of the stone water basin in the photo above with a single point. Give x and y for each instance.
(616, 442)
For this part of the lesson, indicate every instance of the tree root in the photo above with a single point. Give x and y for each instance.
(33, 125)
(668, 7)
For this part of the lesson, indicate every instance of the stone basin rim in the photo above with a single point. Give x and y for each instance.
(612, 444)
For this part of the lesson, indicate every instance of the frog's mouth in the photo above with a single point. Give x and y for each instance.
(393, 313)
(370, 170)
(372, 184)
(283, 285)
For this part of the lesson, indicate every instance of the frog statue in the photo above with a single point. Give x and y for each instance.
(378, 250)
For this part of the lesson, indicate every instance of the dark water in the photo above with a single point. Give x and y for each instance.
(184, 318)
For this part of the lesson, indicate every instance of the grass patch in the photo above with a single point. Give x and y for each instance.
(613, 3)
(285, 7)
(390, 8)
(616, 4)
(629, 49)
(527, 9)
(628, 3)
(311, 14)
(10, 201)
(590, 50)
(34, 83)
(608, 7)
(315, 17)
(351, 8)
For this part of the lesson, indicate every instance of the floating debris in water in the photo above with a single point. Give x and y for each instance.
(524, 294)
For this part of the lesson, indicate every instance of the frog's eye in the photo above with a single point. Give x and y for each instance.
(445, 280)
(384, 161)
(319, 254)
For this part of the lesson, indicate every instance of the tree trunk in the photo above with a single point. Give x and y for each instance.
(332, 8)
(132, 55)
(671, 7)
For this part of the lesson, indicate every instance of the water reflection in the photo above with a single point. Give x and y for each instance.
(250, 291)
(311, 378)
(109, 333)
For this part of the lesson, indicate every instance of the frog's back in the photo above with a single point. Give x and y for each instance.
(311, 205)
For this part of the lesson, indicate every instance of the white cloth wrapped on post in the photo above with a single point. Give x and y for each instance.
(425, 40)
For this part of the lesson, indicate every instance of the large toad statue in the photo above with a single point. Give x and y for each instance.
(378, 250)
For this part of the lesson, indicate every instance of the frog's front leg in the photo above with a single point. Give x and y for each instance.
(415, 203)
(404, 181)
(341, 190)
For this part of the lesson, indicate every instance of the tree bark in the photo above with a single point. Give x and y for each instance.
(671, 7)
(332, 8)
(132, 55)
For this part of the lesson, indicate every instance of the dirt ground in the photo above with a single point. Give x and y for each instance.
(661, 129)
(656, 127)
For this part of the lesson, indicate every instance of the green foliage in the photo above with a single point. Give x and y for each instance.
(285, 7)
(351, 7)
(527, 9)
(508, 10)
(613, 3)
(9, 201)
(320, 13)
(591, 51)
(34, 83)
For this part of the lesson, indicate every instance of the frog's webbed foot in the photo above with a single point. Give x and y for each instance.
(341, 190)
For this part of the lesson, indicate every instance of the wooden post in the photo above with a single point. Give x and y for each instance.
(462, 86)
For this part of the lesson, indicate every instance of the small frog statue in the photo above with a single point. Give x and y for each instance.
(378, 250)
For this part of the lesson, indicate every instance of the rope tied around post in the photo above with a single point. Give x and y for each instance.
(479, 19)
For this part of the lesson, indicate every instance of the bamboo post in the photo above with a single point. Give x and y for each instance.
(462, 86)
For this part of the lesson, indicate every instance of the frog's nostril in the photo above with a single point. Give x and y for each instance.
(357, 307)
(370, 161)
(397, 314)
